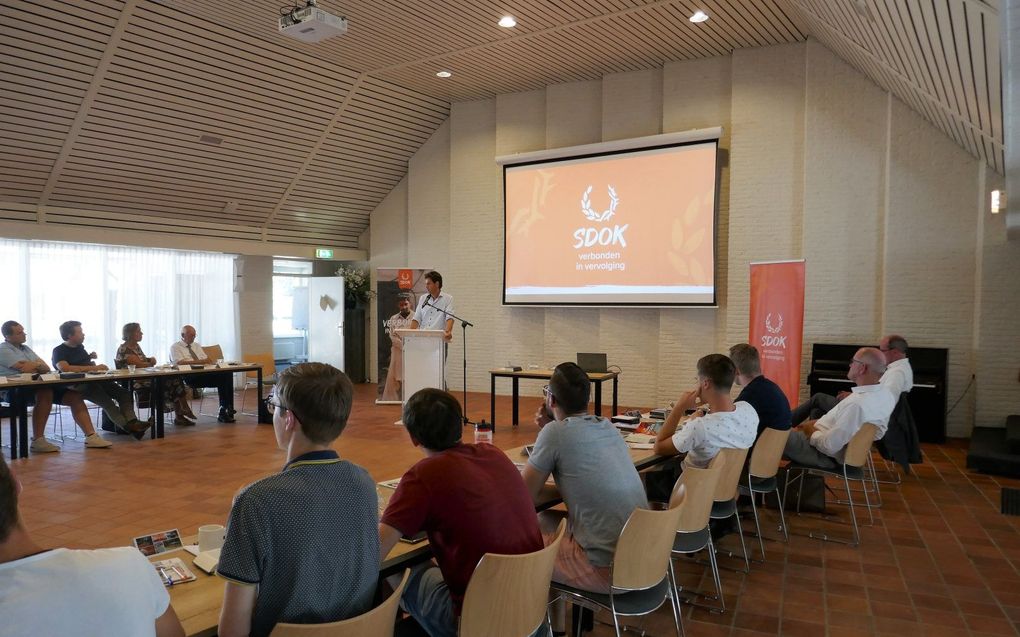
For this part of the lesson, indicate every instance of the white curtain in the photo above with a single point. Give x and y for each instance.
(104, 287)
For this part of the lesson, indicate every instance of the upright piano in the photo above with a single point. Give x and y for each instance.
(830, 363)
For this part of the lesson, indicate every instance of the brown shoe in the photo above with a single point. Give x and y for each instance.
(137, 428)
(181, 421)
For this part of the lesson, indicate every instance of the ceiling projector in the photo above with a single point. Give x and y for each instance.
(311, 24)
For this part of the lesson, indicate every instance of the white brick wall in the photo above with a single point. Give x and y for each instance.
(255, 306)
(822, 165)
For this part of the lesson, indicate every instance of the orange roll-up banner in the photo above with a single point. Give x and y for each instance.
(777, 321)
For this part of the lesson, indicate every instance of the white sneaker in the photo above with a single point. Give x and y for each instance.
(42, 445)
(95, 441)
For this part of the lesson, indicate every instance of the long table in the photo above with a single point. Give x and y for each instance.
(198, 603)
(545, 374)
(19, 408)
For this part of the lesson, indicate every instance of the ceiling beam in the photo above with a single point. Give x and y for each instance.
(313, 153)
(83, 109)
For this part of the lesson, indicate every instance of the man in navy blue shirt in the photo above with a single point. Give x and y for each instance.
(764, 395)
(116, 401)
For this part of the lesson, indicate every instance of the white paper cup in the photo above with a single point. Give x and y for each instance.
(211, 536)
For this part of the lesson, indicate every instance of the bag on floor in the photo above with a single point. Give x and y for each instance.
(810, 488)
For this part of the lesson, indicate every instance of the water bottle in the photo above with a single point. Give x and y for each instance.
(483, 432)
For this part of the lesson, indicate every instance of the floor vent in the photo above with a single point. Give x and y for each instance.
(1011, 501)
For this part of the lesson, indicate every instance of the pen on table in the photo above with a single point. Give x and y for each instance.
(179, 572)
(169, 580)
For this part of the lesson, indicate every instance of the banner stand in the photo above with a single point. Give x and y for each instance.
(776, 325)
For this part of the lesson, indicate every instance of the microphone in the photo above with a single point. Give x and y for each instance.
(426, 303)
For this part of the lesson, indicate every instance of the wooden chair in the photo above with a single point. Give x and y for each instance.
(508, 594)
(213, 353)
(692, 532)
(641, 574)
(854, 460)
(761, 477)
(724, 505)
(251, 379)
(377, 622)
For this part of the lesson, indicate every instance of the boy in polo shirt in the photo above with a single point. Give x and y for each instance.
(470, 499)
(302, 546)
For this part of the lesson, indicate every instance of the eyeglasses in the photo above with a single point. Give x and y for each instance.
(271, 406)
(547, 391)
(859, 362)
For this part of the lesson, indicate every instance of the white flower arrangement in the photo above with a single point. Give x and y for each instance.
(357, 283)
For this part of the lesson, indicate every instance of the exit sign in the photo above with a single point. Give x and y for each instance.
(323, 253)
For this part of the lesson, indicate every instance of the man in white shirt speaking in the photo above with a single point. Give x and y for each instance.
(434, 309)
(821, 443)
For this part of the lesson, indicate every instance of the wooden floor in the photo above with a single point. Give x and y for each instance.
(940, 559)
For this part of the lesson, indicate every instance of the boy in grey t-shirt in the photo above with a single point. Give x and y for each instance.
(595, 475)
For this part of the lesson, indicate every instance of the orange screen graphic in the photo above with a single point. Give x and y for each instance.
(632, 228)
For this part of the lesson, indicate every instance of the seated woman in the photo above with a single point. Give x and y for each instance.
(174, 392)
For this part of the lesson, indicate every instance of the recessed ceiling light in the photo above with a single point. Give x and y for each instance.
(443, 74)
(507, 22)
(699, 16)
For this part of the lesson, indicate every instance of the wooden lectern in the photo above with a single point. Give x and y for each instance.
(424, 360)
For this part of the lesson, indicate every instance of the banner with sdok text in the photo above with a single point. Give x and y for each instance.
(777, 322)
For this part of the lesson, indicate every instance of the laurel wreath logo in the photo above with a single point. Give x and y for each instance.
(768, 323)
(590, 214)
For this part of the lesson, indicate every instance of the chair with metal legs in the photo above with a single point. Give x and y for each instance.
(507, 595)
(761, 478)
(853, 468)
(641, 574)
(692, 532)
(377, 622)
(724, 505)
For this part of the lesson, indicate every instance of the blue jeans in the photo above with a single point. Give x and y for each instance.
(427, 599)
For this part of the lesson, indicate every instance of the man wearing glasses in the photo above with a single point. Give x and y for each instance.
(898, 378)
(302, 545)
(821, 443)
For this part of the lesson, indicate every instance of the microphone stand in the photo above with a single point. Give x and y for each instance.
(463, 326)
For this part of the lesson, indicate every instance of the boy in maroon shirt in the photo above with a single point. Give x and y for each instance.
(469, 499)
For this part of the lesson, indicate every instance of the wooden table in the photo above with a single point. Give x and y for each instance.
(198, 603)
(19, 408)
(545, 374)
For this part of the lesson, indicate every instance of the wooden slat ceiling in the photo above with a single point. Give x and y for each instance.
(104, 103)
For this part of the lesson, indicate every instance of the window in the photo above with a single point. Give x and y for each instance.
(290, 310)
(105, 287)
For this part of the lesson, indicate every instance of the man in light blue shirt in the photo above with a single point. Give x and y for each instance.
(435, 315)
(17, 358)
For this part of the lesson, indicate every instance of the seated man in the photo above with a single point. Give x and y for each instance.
(767, 399)
(469, 499)
(899, 375)
(187, 352)
(83, 593)
(724, 425)
(302, 545)
(117, 402)
(898, 379)
(18, 358)
(594, 473)
(821, 443)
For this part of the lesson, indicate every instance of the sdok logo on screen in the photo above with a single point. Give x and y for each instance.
(604, 236)
(775, 340)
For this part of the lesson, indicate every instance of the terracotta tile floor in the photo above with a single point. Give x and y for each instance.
(939, 560)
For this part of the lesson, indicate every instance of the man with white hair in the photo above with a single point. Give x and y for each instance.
(821, 443)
